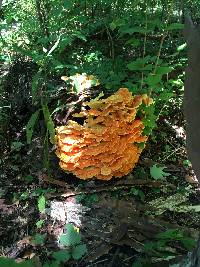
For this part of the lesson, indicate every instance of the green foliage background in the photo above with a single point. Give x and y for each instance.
(133, 44)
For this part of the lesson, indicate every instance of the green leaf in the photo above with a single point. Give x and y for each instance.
(51, 129)
(28, 178)
(187, 163)
(194, 208)
(61, 256)
(30, 126)
(157, 173)
(71, 238)
(68, 4)
(181, 47)
(39, 223)
(138, 64)
(117, 23)
(141, 145)
(175, 26)
(46, 112)
(7, 262)
(24, 196)
(149, 120)
(138, 193)
(49, 122)
(163, 70)
(36, 81)
(134, 42)
(174, 234)
(16, 146)
(41, 204)
(39, 239)
(153, 79)
(126, 29)
(79, 251)
(79, 35)
(189, 243)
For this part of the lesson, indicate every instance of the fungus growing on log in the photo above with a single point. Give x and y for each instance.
(107, 144)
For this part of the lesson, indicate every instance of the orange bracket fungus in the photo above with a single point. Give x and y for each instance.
(107, 144)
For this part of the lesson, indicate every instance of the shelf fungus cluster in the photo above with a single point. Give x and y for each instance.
(107, 144)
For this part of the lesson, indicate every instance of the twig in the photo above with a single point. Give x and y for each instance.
(112, 44)
(127, 186)
(144, 50)
(177, 149)
(49, 180)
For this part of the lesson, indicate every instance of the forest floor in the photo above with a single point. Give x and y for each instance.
(134, 219)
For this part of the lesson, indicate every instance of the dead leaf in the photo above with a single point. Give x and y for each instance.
(25, 241)
(192, 179)
(28, 255)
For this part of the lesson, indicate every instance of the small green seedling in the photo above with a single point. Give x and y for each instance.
(72, 241)
(157, 173)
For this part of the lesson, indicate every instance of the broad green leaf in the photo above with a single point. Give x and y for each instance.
(61, 255)
(157, 173)
(41, 204)
(116, 23)
(175, 26)
(126, 29)
(30, 126)
(163, 70)
(79, 251)
(149, 120)
(147, 67)
(165, 95)
(138, 64)
(134, 42)
(71, 238)
(153, 79)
